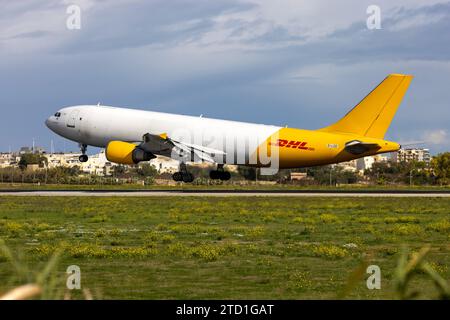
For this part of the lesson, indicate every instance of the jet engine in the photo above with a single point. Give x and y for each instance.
(126, 153)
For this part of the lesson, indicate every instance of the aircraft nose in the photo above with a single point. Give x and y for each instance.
(51, 123)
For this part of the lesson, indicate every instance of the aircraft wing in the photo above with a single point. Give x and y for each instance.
(164, 145)
(359, 147)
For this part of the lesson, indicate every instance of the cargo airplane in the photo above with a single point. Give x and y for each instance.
(131, 136)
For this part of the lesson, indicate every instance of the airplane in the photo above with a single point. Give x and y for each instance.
(130, 136)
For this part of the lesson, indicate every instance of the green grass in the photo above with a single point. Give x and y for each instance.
(224, 248)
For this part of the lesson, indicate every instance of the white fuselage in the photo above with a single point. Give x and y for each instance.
(98, 125)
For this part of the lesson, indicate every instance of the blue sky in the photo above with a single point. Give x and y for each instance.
(297, 63)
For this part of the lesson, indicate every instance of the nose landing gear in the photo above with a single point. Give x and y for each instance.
(83, 157)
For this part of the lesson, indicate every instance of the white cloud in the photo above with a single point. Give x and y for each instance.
(300, 20)
(417, 21)
(30, 17)
(304, 20)
(436, 137)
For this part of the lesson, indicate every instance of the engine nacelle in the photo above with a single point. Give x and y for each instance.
(126, 153)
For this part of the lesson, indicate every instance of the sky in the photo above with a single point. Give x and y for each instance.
(298, 63)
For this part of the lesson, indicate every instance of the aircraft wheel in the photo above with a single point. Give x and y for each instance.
(83, 158)
(177, 176)
(214, 175)
(225, 175)
(188, 177)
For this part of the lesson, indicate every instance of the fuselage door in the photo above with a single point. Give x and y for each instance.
(72, 119)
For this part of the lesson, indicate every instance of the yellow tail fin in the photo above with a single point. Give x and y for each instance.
(373, 115)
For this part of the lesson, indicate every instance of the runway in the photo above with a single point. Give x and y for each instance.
(227, 193)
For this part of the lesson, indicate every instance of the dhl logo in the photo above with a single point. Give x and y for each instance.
(292, 144)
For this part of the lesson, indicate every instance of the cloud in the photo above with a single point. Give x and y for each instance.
(32, 34)
(216, 25)
(438, 136)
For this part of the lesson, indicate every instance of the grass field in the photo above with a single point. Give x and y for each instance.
(225, 248)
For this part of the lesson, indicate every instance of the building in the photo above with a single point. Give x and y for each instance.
(68, 160)
(97, 163)
(367, 162)
(408, 155)
(6, 159)
(9, 160)
(24, 150)
(348, 165)
(165, 165)
(297, 176)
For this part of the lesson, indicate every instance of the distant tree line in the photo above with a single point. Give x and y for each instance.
(413, 173)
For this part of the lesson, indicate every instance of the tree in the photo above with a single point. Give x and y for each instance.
(32, 158)
(147, 170)
(338, 175)
(382, 172)
(321, 174)
(346, 176)
(411, 172)
(119, 171)
(441, 168)
(249, 173)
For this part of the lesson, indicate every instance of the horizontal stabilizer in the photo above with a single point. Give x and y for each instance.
(358, 147)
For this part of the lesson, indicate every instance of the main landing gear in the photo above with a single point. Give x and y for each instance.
(220, 173)
(183, 174)
(83, 157)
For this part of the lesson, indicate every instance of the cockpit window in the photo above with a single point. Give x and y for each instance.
(58, 114)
